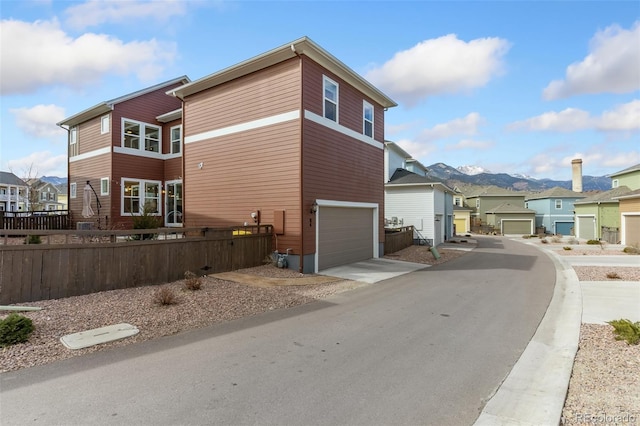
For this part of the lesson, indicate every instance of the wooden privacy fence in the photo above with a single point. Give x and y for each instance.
(610, 234)
(35, 272)
(54, 219)
(398, 238)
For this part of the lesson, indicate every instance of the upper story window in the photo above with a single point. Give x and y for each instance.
(104, 124)
(104, 186)
(558, 204)
(330, 90)
(138, 135)
(477, 203)
(72, 190)
(615, 183)
(176, 139)
(73, 141)
(367, 118)
(457, 201)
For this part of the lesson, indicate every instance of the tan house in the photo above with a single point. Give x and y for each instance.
(292, 137)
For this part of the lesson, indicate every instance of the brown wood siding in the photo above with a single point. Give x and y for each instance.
(337, 167)
(92, 170)
(630, 206)
(166, 135)
(89, 137)
(262, 94)
(350, 100)
(173, 169)
(244, 172)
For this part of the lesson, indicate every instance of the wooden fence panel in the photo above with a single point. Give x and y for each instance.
(398, 240)
(38, 272)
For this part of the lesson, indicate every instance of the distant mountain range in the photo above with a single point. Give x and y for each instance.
(475, 175)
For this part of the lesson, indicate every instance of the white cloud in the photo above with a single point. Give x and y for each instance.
(40, 54)
(569, 120)
(41, 163)
(40, 120)
(97, 12)
(467, 126)
(612, 66)
(623, 117)
(470, 144)
(442, 65)
(417, 149)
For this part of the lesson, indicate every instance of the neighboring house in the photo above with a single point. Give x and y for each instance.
(394, 158)
(554, 210)
(509, 219)
(13, 193)
(598, 213)
(128, 150)
(489, 198)
(629, 177)
(43, 195)
(293, 138)
(63, 190)
(416, 167)
(629, 205)
(461, 218)
(421, 202)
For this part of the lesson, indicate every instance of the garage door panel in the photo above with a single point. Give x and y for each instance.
(585, 227)
(631, 230)
(516, 227)
(564, 228)
(345, 236)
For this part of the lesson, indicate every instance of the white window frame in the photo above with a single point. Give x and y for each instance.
(142, 197)
(73, 141)
(104, 124)
(73, 190)
(558, 207)
(615, 183)
(179, 140)
(367, 106)
(326, 80)
(142, 136)
(477, 203)
(104, 186)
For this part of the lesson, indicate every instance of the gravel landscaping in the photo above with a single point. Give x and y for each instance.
(606, 374)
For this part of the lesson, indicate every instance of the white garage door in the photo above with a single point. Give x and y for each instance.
(345, 235)
(631, 229)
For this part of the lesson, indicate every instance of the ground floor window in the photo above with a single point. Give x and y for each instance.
(140, 196)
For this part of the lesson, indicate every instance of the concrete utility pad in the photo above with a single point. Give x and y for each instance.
(604, 301)
(373, 270)
(84, 339)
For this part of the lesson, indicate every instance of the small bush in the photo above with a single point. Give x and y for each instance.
(526, 237)
(567, 248)
(613, 275)
(556, 239)
(544, 241)
(165, 296)
(573, 241)
(634, 249)
(15, 329)
(192, 281)
(593, 242)
(33, 239)
(626, 330)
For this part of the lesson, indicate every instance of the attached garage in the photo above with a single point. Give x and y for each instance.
(345, 234)
(519, 227)
(461, 225)
(586, 229)
(631, 227)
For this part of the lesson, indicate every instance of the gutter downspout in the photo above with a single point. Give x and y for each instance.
(68, 130)
(303, 211)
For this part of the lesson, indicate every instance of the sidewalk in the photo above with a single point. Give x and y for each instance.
(534, 391)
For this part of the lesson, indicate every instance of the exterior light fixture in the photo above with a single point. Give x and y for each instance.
(314, 207)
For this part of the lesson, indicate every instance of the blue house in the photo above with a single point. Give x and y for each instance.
(554, 209)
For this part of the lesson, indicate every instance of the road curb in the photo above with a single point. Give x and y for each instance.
(535, 390)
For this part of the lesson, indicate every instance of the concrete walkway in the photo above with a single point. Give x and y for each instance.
(534, 391)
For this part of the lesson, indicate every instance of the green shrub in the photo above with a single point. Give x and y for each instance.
(146, 220)
(633, 249)
(567, 248)
(15, 329)
(626, 330)
(33, 239)
(593, 242)
(613, 275)
(192, 281)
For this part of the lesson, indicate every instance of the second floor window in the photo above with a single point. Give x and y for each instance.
(73, 141)
(143, 136)
(176, 138)
(330, 108)
(104, 124)
(558, 204)
(367, 118)
(72, 190)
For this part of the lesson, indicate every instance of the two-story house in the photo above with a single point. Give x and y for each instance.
(13, 193)
(43, 195)
(128, 150)
(292, 137)
(554, 210)
(487, 198)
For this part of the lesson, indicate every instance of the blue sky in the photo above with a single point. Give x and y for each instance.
(512, 86)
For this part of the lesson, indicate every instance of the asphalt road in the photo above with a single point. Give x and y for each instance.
(426, 348)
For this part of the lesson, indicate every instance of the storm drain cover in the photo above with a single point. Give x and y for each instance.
(84, 339)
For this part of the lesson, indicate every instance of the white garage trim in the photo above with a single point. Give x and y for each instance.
(333, 203)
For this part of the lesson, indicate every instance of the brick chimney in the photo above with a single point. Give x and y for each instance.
(576, 175)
